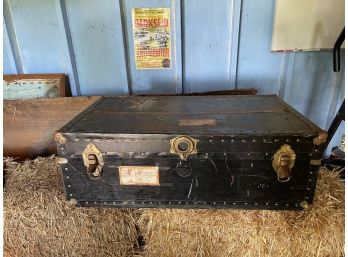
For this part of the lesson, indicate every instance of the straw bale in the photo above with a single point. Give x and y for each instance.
(39, 222)
(318, 232)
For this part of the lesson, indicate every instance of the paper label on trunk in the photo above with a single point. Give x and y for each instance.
(197, 122)
(139, 175)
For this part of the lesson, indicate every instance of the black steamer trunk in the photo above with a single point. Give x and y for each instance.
(250, 152)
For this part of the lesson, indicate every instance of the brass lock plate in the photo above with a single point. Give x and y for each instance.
(93, 160)
(183, 146)
(283, 162)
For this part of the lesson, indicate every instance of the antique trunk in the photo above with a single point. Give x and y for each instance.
(253, 152)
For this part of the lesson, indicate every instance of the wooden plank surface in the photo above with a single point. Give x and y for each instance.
(29, 124)
(243, 91)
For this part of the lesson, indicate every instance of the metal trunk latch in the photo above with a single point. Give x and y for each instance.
(283, 162)
(93, 160)
(183, 146)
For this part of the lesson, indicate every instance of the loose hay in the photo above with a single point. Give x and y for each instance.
(39, 222)
(318, 232)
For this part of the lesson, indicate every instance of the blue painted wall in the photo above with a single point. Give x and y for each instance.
(97, 41)
(207, 45)
(218, 46)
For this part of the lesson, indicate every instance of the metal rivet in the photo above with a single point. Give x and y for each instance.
(95, 202)
(69, 185)
(104, 202)
(206, 154)
(311, 172)
(232, 140)
(256, 204)
(264, 140)
(204, 203)
(307, 197)
(67, 177)
(114, 202)
(308, 188)
(246, 203)
(254, 140)
(186, 202)
(142, 202)
(150, 202)
(77, 139)
(275, 140)
(86, 202)
(243, 140)
(210, 140)
(266, 154)
(70, 194)
(287, 204)
(224, 202)
(309, 180)
(248, 154)
(234, 203)
(194, 203)
(287, 140)
(266, 203)
(214, 203)
(251, 165)
(99, 139)
(316, 150)
(62, 148)
(276, 204)
(222, 140)
(310, 154)
(88, 139)
(169, 202)
(179, 202)
(159, 202)
(297, 140)
(66, 168)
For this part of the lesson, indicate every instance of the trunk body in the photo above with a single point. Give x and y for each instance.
(252, 152)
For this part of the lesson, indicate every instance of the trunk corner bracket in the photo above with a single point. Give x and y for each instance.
(59, 138)
(321, 138)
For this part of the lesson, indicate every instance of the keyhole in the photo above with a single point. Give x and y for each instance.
(92, 163)
(183, 146)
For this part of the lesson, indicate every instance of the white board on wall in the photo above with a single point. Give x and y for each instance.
(307, 24)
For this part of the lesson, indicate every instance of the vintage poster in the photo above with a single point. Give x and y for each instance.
(151, 34)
